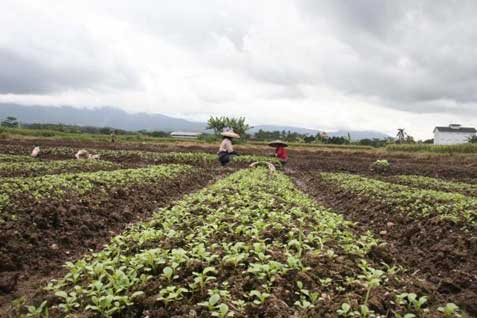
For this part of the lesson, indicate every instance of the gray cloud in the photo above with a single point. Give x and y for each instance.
(408, 52)
(22, 74)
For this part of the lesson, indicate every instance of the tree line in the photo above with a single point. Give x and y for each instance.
(218, 124)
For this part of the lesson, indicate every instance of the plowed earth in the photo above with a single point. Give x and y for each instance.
(56, 232)
(45, 235)
(443, 253)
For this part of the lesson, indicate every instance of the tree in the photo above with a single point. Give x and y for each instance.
(309, 139)
(10, 122)
(472, 140)
(401, 135)
(337, 140)
(218, 124)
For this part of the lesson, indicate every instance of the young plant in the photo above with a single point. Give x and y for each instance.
(38, 312)
(168, 273)
(346, 311)
(171, 294)
(411, 301)
(259, 297)
(450, 310)
(216, 308)
(201, 279)
(307, 299)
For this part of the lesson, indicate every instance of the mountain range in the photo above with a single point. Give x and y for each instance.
(116, 118)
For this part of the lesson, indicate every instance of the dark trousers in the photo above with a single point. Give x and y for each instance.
(225, 157)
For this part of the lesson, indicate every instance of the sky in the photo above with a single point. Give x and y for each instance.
(329, 64)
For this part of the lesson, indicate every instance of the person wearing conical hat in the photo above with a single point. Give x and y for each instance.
(226, 149)
(280, 150)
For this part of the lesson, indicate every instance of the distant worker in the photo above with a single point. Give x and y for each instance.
(84, 154)
(226, 150)
(113, 137)
(280, 150)
(36, 152)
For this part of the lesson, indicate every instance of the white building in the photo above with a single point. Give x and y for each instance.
(452, 135)
(185, 135)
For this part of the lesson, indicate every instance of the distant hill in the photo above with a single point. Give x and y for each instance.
(355, 134)
(117, 118)
(286, 128)
(359, 134)
(98, 117)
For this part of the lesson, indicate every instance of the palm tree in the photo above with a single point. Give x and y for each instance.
(401, 135)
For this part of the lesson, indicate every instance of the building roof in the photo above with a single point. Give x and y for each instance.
(457, 129)
(185, 133)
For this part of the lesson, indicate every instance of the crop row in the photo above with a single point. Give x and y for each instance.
(56, 186)
(38, 168)
(435, 184)
(250, 245)
(14, 158)
(162, 157)
(424, 203)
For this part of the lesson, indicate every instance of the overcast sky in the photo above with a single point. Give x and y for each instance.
(362, 65)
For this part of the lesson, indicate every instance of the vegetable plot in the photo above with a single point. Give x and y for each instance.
(54, 187)
(436, 184)
(15, 158)
(45, 220)
(423, 203)
(162, 157)
(250, 245)
(31, 169)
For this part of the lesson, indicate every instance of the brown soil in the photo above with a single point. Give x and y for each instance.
(5, 173)
(34, 247)
(441, 252)
(448, 167)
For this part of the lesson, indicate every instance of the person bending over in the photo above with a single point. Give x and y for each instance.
(226, 149)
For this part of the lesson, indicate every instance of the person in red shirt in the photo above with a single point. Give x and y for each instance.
(280, 150)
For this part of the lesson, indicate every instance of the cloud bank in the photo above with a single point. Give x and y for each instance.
(371, 65)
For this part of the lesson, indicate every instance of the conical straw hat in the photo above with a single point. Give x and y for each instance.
(278, 143)
(230, 134)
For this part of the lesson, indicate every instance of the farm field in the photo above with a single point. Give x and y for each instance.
(162, 230)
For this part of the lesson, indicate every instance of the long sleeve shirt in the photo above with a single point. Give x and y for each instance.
(281, 153)
(226, 146)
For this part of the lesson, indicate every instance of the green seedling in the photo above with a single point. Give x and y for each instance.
(411, 301)
(70, 301)
(222, 311)
(211, 303)
(201, 279)
(38, 312)
(169, 273)
(346, 311)
(450, 310)
(171, 294)
(307, 299)
(259, 297)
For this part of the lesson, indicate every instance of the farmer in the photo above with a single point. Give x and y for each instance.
(226, 150)
(113, 137)
(84, 154)
(280, 150)
(36, 152)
